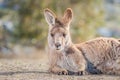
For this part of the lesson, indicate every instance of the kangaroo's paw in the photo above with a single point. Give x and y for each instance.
(80, 73)
(62, 72)
(59, 71)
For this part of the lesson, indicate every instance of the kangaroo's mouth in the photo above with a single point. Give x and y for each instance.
(58, 48)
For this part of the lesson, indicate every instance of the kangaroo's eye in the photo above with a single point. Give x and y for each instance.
(64, 34)
(52, 34)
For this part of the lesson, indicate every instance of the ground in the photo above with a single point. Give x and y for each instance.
(36, 69)
(27, 69)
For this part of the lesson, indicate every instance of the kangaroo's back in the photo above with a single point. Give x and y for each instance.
(103, 53)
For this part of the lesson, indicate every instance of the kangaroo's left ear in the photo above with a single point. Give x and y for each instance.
(68, 14)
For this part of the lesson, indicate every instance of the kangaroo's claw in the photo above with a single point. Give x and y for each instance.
(62, 72)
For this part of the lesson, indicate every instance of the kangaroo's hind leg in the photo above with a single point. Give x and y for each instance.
(111, 67)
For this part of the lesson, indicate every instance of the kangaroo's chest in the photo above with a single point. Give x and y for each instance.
(68, 63)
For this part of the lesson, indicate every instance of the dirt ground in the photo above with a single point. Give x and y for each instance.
(36, 69)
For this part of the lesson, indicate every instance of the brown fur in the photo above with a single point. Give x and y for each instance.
(103, 53)
(97, 55)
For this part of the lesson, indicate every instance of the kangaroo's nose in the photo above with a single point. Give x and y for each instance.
(57, 45)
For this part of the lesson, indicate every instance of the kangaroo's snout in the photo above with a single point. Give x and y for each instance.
(58, 46)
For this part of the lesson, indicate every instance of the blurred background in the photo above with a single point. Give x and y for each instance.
(23, 29)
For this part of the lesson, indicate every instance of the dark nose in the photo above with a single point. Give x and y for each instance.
(57, 45)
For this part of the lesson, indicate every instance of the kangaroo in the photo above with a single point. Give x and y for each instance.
(63, 54)
(96, 56)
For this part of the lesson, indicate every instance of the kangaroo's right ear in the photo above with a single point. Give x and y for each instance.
(50, 17)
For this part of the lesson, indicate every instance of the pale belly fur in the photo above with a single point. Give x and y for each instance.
(67, 63)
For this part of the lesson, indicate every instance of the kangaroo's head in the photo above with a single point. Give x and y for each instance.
(58, 36)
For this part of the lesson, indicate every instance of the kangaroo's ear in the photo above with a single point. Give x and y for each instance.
(68, 14)
(50, 17)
